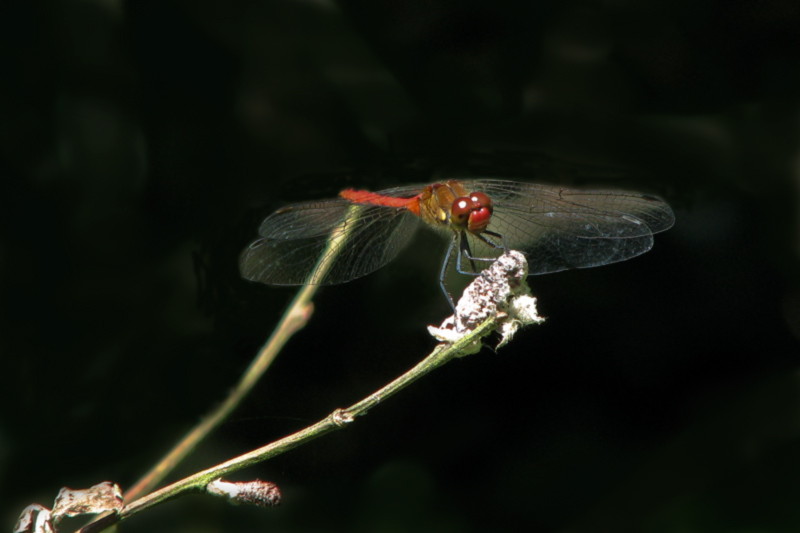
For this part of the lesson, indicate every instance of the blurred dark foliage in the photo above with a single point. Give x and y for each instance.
(142, 142)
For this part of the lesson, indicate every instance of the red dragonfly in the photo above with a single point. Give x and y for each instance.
(556, 228)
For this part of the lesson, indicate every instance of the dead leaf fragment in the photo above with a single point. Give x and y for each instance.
(100, 498)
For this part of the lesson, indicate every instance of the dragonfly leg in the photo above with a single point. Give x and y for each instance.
(468, 253)
(447, 258)
(482, 236)
(465, 251)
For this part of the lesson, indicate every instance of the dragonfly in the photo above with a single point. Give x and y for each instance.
(340, 239)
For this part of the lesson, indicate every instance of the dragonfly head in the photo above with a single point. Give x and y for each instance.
(473, 212)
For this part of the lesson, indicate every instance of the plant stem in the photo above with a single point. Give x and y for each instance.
(294, 319)
(338, 419)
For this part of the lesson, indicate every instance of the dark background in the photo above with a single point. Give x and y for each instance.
(142, 142)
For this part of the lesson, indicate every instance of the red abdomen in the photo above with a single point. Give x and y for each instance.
(366, 197)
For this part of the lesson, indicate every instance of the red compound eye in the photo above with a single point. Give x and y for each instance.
(481, 213)
(472, 213)
(459, 213)
(479, 219)
(480, 199)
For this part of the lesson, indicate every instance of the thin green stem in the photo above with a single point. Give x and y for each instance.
(294, 319)
(336, 420)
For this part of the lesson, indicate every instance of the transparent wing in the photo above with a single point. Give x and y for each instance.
(560, 228)
(324, 243)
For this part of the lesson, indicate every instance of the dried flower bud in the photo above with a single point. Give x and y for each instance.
(500, 292)
(260, 493)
